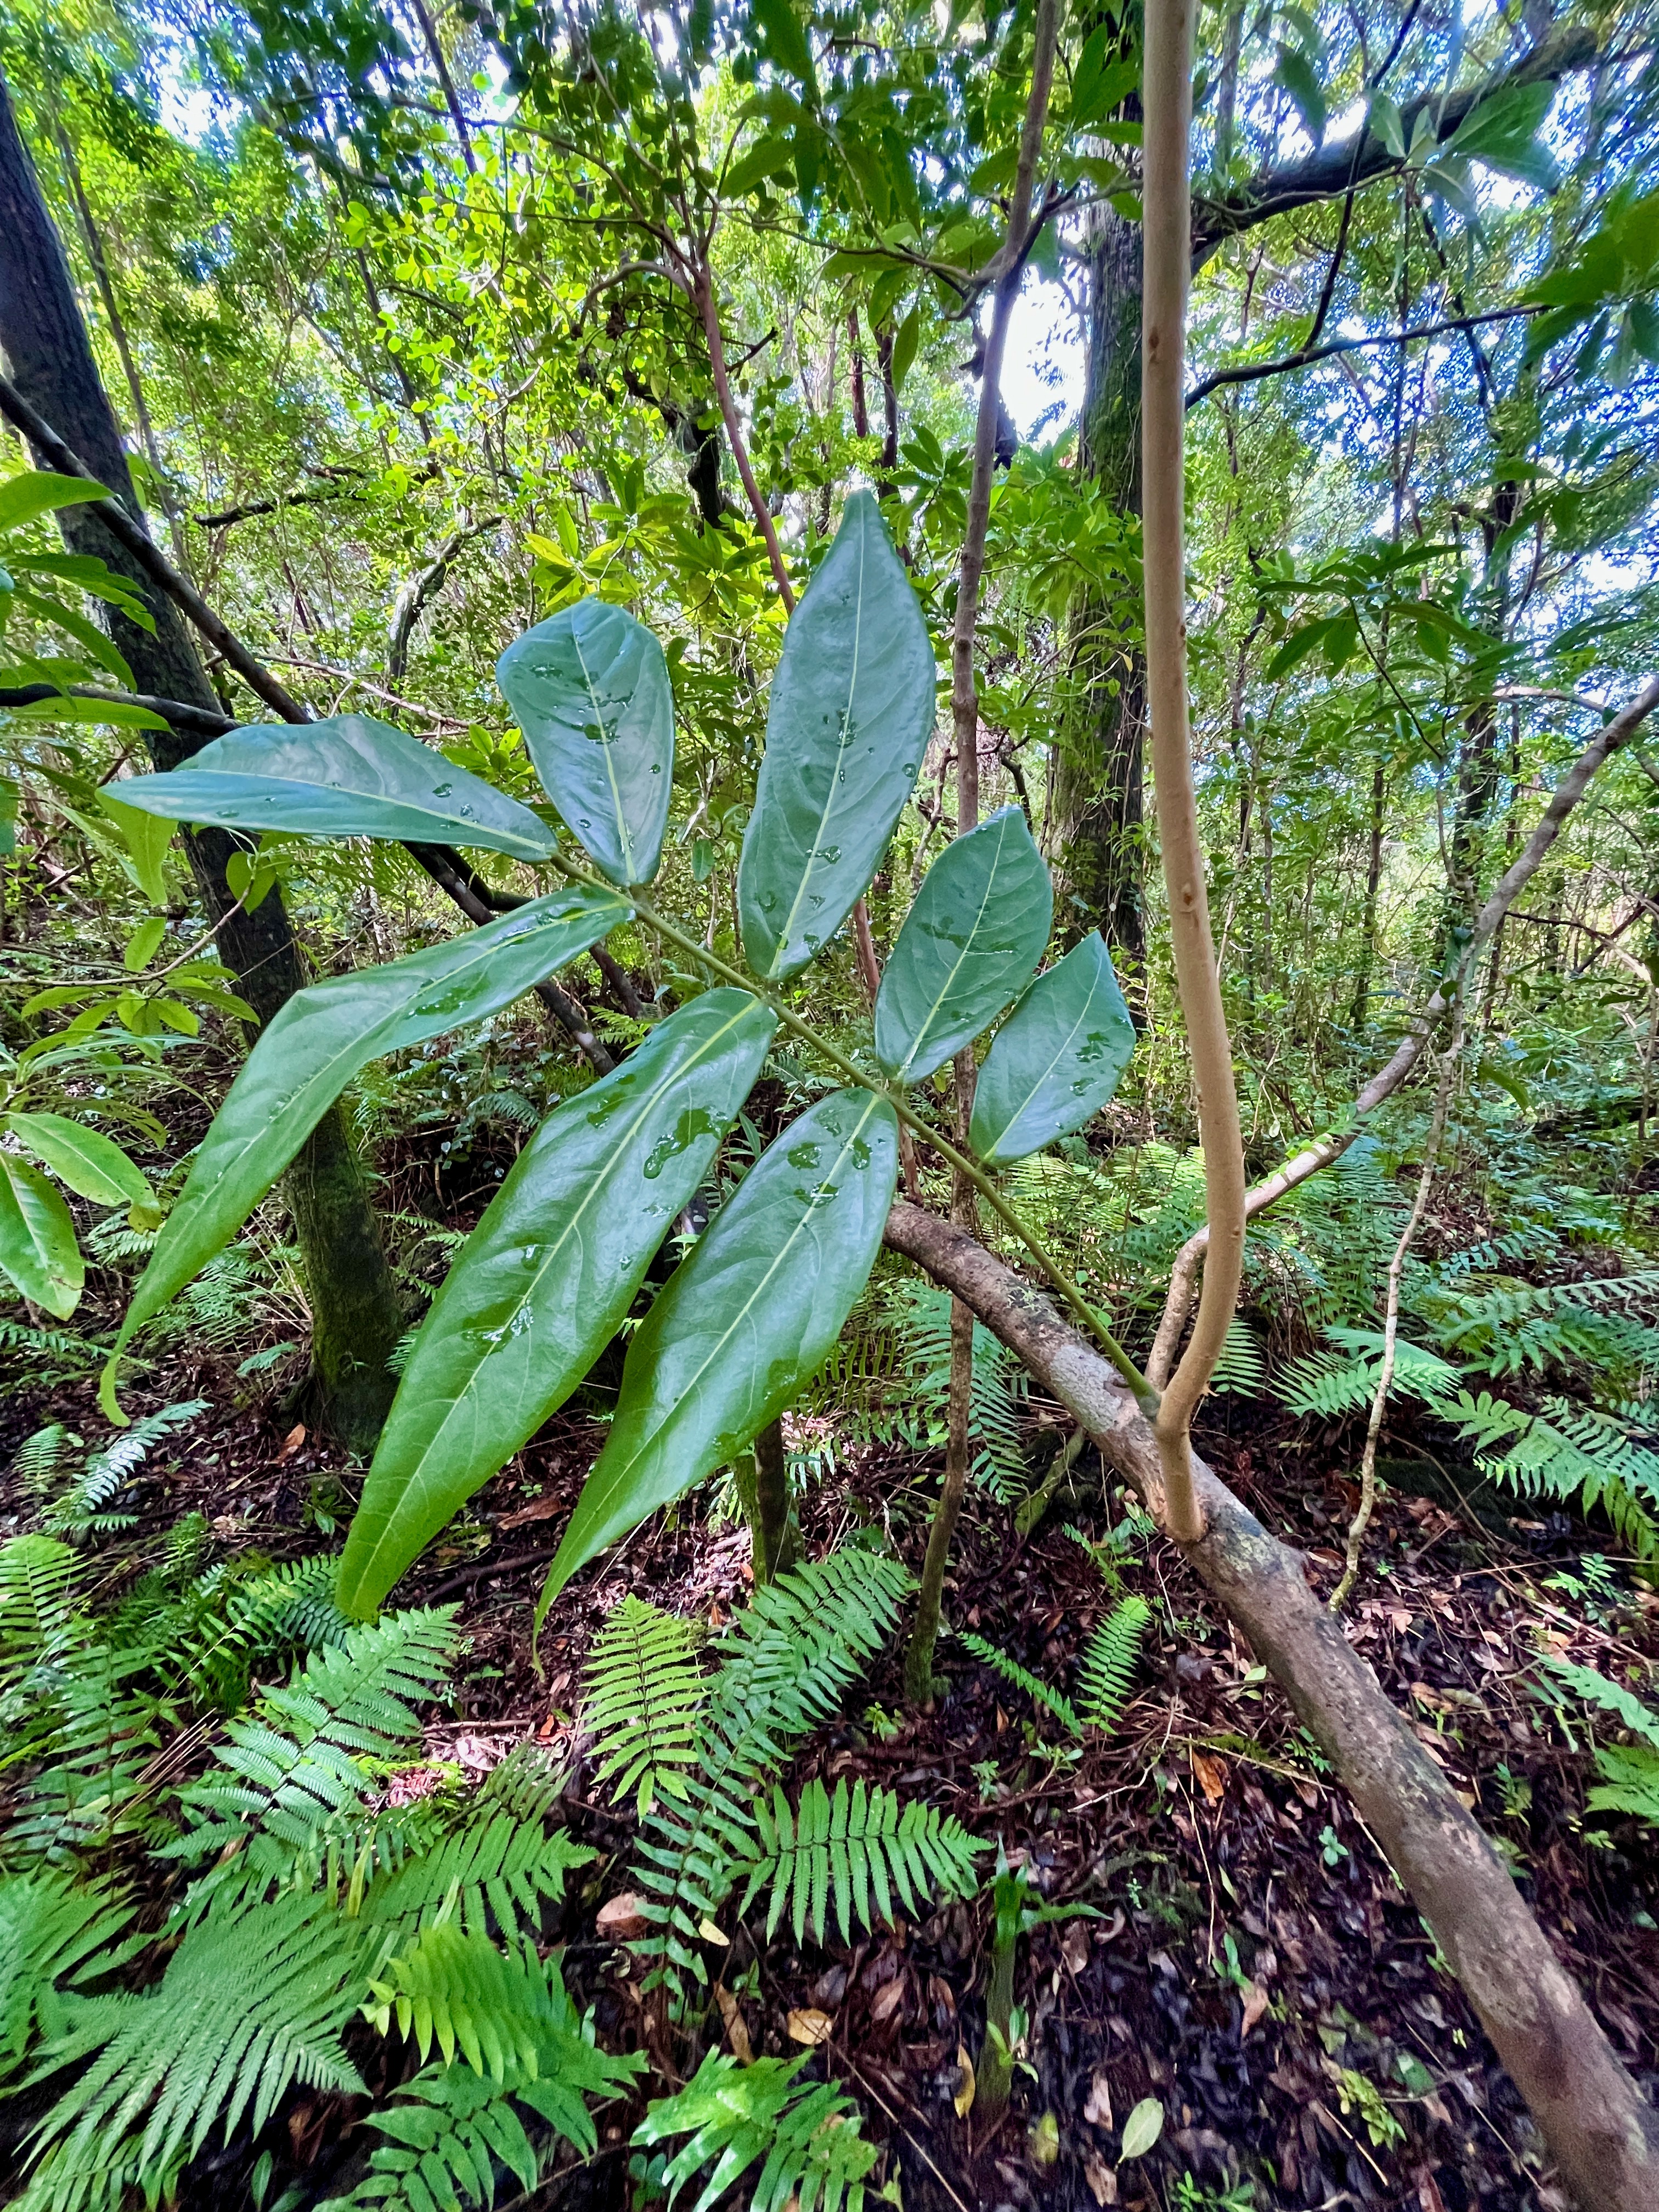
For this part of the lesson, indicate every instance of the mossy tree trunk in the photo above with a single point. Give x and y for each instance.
(356, 1318)
(1095, 837)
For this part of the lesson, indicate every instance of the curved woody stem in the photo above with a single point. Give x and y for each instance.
(1167, 104)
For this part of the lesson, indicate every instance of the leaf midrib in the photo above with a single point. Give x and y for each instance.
(920, 1037)
(372, 798)
(672, 1075)
(843, 743)
(1061, 1051)
(610, 767)
(646, 1444)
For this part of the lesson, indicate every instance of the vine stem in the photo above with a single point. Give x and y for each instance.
(1146, 1397)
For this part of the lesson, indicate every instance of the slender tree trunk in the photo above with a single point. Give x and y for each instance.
(1361, 989)
(1096, 800)
(964, 718)
(355, 1319)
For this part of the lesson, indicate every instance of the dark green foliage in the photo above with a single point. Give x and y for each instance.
(295, 1765)
(783, 1665)
(804, 2135)
(54, 1937)
(642, 1693)
(248, 2003)
(851, 1854)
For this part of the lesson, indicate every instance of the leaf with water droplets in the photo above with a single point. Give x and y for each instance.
(850, 715)
(590, 688)
(310, 1049)
(1057, 1059)
(746, 1318)
(976, 931)
(544, 1281)
(348, 777)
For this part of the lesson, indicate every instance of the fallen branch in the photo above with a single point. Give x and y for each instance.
(1601, 2131)
(1382, 1086)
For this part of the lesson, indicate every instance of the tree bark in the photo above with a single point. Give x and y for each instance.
(1601, 2133)
(1094, 840)
(356, 1318)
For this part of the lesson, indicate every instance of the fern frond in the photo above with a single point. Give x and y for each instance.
(784, 1665)
(1324, 1382)
(495, 1868)
(1107, 1668)
(456, 1990)
(1629, 1783)
(37, 1602)
(1612, 1696)
(247, 2007)
(1022, 1678)
(855, 1852)
(1242, 1366)
(642, 1693)
(54, 1934)
(36, 1460)
(295, 1762)
(805, 2133)
(451, 2124)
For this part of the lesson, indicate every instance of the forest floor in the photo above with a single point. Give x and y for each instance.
(1251, 1961)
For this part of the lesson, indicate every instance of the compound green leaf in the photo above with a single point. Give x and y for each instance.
(851, 711)
(91, 1163)
(969, 943)
(348, 777)
(545, 1279)
(744, 1320)
(590, 688)
(38, 1247)
(309, 1051)
(1056, 1059)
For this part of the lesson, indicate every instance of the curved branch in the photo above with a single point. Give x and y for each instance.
(1601, 2132)
(1356, 160)
(1167, 103)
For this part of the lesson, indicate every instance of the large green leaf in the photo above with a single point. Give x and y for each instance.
(745, 1320)
(312, 1047)
(36, 492)
(349, 777)
(548, 1274)
(851, 711)
(976, 933)
(37, 1249)
(90, 1163)
(1056, 1059)
(590, 688)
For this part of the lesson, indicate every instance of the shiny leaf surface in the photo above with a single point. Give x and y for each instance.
(546, 1277)
(1056, 1059)
(91, 1163)
(851, 711)
(590, 688)
(311, 1049)
(976, 931)
(38, 1247)
(746, 1320)
(349, 777)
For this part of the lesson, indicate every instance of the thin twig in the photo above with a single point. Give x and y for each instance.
(1361, 1521)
